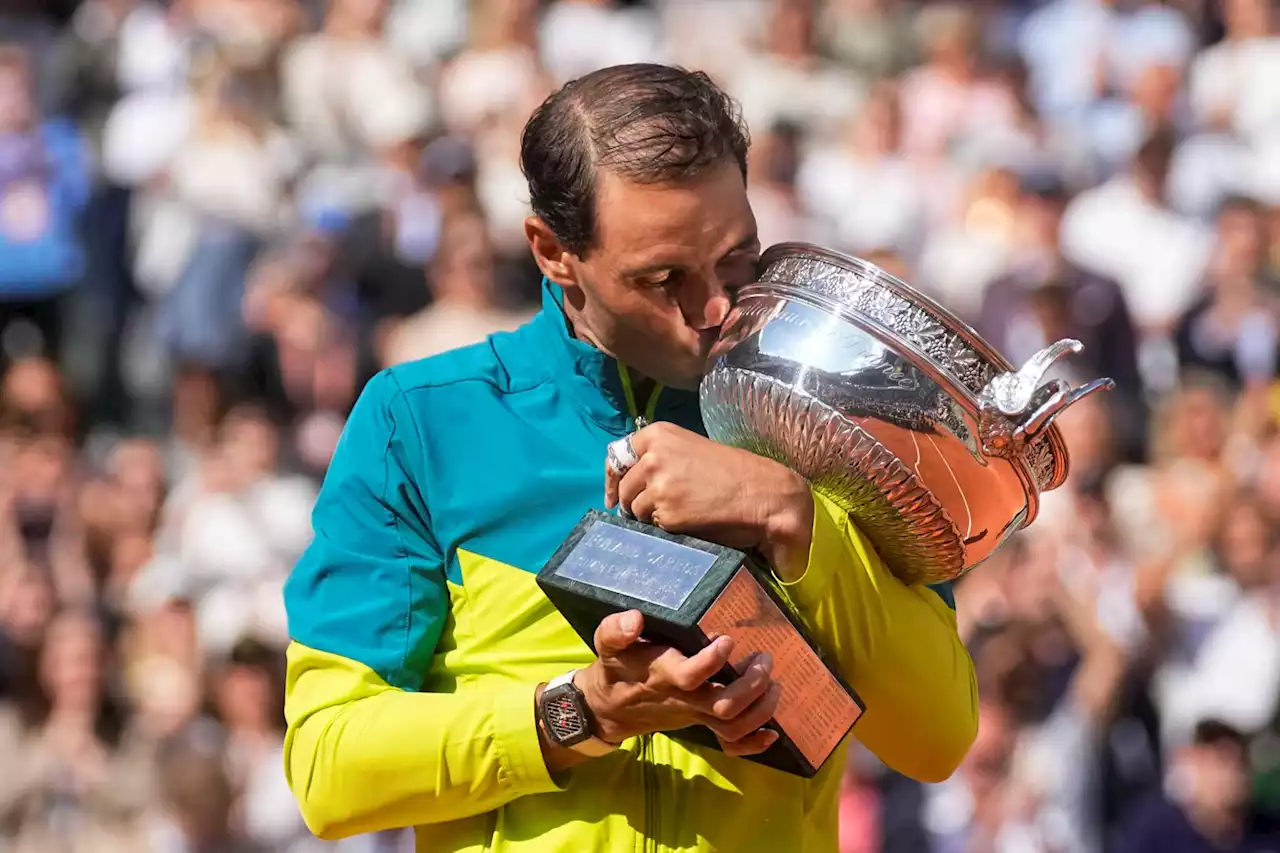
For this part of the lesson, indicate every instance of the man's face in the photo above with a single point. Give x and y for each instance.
(659, 281)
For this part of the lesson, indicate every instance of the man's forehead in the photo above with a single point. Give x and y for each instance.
(636, 219)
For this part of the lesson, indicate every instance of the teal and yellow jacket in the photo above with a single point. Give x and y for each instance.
(419, 635)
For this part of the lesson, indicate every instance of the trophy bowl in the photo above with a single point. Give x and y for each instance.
(888, 404)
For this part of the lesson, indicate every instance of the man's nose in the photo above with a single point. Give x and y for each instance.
(711, 308)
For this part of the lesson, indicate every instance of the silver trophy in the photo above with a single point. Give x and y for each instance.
(938, 448)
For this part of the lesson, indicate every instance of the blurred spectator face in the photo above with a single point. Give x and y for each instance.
(41, 468)
(1216, 769)
(26, 607)
(791, 29)
(1196, 425)
(1247, 18)
(949, 32)
(1245, 545)
(17, 110)
(1241, 243)
(463, 270)
(245, 697)
(32, 395)
(1267, 483)
(363, 16)
(1155, 91)
(71, 665)
(1040, 217)
(251, 445)
(500, 23)
(878, 129)
(247, 31)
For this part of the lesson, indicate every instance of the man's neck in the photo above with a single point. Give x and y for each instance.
(642, 387)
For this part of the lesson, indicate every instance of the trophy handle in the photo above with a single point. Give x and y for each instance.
(1011, 393)
(1063, 397)
(1007, 418)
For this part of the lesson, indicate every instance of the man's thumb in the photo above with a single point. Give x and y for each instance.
(617, 631)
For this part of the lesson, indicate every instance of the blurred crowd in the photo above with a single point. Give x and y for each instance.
(218, 218)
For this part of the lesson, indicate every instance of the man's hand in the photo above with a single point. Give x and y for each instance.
(637, 687)
(686, 483)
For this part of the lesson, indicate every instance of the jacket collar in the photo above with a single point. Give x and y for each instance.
(596, 381)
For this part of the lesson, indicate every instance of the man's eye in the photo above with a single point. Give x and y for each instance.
(665, 279)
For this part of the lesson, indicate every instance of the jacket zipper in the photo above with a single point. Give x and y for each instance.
(648, 774)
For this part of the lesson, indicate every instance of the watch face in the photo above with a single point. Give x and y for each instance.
(563, 715)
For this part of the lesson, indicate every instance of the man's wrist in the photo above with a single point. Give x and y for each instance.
(566, 722)
(788, 531)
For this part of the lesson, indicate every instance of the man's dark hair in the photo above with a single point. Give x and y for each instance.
(653, 124)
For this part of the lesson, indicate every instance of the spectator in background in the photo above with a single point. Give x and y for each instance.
(1231, 83)
(950, 96)
(781, 215)
(872, 37)
(465, 305)
(1233, 330)
(1208, 805)
(863, 187)
(66, 789)
(788, 79)
(1044, 298)
(1123, 229)
(44, 185)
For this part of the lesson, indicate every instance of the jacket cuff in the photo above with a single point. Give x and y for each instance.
(519, 751)
(828, 543)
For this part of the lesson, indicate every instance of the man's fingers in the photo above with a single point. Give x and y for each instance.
(752, 718)
(642, 507)
(631, 485)
(753, 744)
(690, 674)
(611, 481)
(618, 632)
(733, 699)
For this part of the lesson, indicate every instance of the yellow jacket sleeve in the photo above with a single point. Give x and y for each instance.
(896, 645)
(362, 756)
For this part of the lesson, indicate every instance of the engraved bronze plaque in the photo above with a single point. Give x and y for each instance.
(691, 591)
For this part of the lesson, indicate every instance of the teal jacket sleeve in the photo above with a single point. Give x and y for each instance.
(366, 749)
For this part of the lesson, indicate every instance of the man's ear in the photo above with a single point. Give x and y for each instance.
(549, 253)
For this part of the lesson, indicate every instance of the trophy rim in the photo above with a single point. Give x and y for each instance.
(945, 317)
(854, 264)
